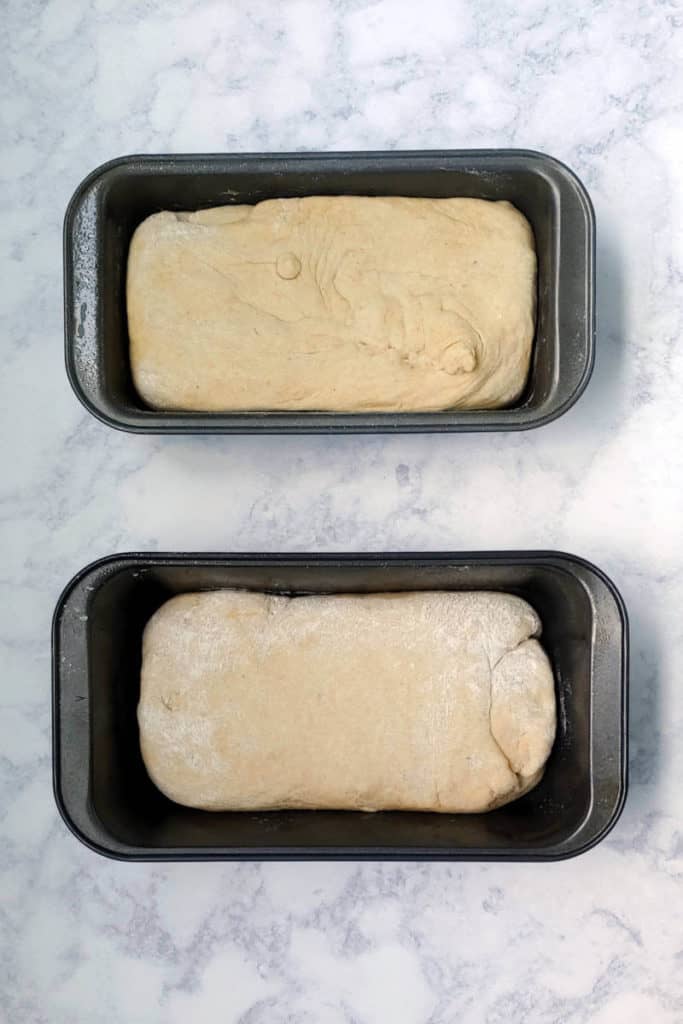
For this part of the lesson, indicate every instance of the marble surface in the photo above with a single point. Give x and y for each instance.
(598, 84)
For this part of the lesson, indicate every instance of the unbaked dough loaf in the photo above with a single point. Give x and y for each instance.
(417, 701)
(342, 303)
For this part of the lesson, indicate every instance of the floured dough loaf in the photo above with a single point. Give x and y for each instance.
(342, 303)
(428, 701)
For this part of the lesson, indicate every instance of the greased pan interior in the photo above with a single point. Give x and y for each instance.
(110, 203)
(107, 799)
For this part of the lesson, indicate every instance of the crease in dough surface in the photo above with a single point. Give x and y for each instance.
(333, 303)
(427, 701)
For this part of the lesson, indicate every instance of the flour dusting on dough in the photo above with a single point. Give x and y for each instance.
(423, 701)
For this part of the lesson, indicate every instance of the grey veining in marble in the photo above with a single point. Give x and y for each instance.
(598, 84)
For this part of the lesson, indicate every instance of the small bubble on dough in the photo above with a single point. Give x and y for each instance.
(288, 266)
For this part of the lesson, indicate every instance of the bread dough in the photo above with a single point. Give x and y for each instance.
(337, 303)
(433, 701)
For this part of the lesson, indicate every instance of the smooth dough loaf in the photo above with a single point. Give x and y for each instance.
(333, 303)
(431, 701)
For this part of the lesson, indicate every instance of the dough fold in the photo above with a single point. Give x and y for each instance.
(425, 701)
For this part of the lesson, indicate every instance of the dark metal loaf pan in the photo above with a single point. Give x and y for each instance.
(113, 200)
(107, 799)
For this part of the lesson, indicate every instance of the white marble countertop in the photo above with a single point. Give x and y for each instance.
(596, 84)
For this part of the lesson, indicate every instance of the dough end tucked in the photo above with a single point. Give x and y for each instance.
(333, 303)
(421, 701)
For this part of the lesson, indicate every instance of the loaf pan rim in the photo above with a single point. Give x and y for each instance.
(182, 422)
(417, 854)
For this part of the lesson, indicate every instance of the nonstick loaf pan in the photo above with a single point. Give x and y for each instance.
(109, 802)
(111, 202)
